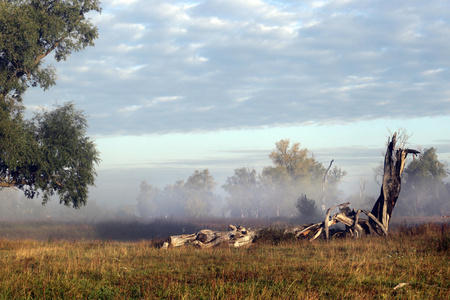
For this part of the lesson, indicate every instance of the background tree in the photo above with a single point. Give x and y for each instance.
(9, 206)
(199, 193)
(293, 160)
(294, 172)
(147, 200)
(172, 200)
(243, 189)
(424, 191)
(307, 209)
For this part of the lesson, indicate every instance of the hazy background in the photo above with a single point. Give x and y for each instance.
(177, 86)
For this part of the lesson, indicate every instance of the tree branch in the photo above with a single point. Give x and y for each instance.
(58, 42)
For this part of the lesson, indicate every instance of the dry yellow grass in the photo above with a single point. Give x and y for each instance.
(368, 268)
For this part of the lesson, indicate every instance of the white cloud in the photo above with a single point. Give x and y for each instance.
(121, 2)
(433, 71)
(127, 48)
(128, 72)
(204, 108)
(168, 98)
(161, 99)
(197, 59)
(129, 109)
(258, 63)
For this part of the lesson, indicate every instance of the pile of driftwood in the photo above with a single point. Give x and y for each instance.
(376, 223)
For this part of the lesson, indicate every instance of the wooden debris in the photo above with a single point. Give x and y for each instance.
(377, 222)
(181, 240)
(206, 238)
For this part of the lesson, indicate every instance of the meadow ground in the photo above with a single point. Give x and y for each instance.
(367, 268)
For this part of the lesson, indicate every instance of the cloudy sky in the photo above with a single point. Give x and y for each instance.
(174, 86)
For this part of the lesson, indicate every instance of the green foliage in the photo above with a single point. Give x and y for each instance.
(52, 155)
(423, 190)
(307, 209)
(295, 172)
(17, 145)
(274, 191)
(426, 168)
(49, 153)
(32, 29)
(293, 160)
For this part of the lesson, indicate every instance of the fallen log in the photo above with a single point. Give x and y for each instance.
(181, 240)
(206, 238)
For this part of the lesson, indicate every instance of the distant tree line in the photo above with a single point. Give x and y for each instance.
(273, 192)
(295, 185)
(193, 198)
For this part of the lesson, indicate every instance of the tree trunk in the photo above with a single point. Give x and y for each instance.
(394, 163)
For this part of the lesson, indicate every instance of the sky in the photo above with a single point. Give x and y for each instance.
(176, 86)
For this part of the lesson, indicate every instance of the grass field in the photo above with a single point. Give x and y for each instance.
(368, 268)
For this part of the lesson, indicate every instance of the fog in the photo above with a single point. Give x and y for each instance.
(149, 193)
(120, 186)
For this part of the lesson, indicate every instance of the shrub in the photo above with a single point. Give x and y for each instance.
(307, 209)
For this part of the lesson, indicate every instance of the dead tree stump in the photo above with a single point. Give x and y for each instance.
(394, 163)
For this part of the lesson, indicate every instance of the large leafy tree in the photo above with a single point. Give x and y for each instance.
(49, 153)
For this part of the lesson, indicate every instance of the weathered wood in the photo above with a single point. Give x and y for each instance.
(181, 240)
(327, 222)
(324, 180)
(240, 239)
(206, 238)
(221, 239)
(344, 219)
(357, 228)
(306, 230)
(394, 163)
(377, 222)
(318, 233)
